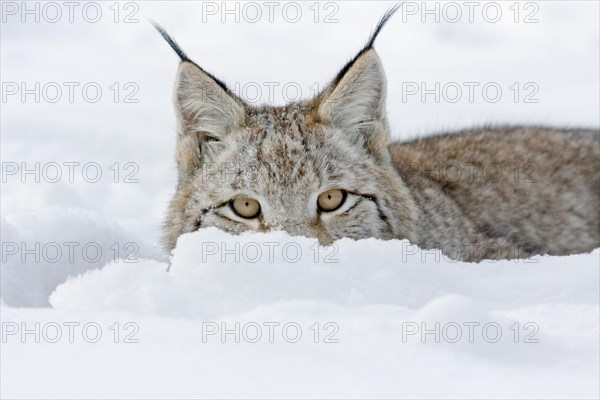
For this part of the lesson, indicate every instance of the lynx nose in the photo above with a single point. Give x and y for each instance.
(298, 229)
(294, 227)
(306, 229)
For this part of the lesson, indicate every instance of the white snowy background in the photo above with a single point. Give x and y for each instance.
(364, 299)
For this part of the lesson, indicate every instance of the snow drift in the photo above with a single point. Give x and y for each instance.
(270, 315)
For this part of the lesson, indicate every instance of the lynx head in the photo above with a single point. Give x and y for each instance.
(317, 168)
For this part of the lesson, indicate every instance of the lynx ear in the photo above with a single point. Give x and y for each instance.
(357, 96)
(205, 107)
(206, 113)
(355, 102)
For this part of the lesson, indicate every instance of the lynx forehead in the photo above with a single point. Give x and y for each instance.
(325, 168)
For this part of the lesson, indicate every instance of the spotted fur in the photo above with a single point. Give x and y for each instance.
(513, 192)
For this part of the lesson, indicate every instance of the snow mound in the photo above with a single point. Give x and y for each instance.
(275, 316)
(41, 249)
(213, 273)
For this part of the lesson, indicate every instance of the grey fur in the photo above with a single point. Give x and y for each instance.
(504, 192)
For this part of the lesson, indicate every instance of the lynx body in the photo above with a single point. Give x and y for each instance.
(325, 168)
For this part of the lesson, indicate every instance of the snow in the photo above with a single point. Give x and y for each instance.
(41, 249)
(222, 319)
(370, 301)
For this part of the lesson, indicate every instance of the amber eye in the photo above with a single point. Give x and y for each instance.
(246, 207)
(331, 200)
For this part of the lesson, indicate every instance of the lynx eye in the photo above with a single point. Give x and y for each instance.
(331, 200)
(246, 207)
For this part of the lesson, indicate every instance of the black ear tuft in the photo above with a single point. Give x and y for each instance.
(170, 41)
(185, 58)
(369, 45)
(386, 17)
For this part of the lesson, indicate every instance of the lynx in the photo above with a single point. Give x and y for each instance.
(325, 168)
